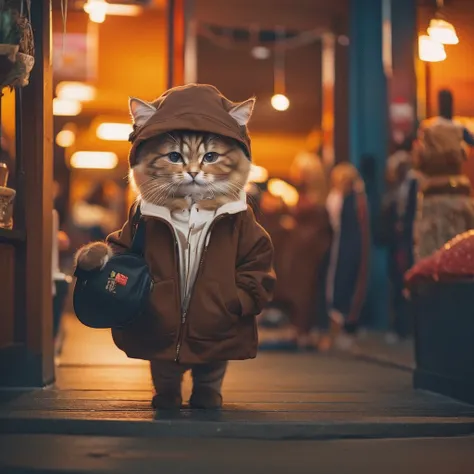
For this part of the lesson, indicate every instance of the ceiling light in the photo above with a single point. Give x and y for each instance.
(114, 131)
(65, 138)
(430, 50)
(260, 52)
(66, 107)
(75, 91)
(99, 160)
(443, 32)
(280, 102)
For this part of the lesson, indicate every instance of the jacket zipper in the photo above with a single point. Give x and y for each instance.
(188, 297)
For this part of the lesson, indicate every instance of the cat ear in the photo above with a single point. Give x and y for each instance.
(243, 111)
(140, 111)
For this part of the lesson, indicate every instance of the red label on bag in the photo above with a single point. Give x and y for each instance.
(121, 279)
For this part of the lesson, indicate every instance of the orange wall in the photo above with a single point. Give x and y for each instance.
(131, 57)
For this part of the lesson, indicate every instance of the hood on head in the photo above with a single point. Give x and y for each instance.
(194, 107)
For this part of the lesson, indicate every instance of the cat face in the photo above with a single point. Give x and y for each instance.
(206, 168)
(178, 167)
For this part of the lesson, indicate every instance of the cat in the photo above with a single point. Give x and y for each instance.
(180, 168)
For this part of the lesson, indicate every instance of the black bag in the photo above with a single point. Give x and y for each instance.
(117, 294)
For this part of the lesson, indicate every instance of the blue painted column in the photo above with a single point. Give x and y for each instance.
(372, 91)
(369, 136)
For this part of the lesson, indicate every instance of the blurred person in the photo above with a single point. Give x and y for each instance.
(275, 329)
(97, 213)
(349, 255)
(445, 207)
(309, 241)
(396, 232)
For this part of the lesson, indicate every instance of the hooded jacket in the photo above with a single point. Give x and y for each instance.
(234, 282)
(212, 270)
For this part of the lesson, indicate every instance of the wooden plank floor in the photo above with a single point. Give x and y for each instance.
(96, 382)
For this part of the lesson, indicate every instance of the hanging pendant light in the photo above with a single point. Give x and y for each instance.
(96, 9)
(279, 100)
(430, 50)
(441, 30)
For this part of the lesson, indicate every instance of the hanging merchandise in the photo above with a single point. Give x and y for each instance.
(16, 43)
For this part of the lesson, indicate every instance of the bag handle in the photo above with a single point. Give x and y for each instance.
(138, 232)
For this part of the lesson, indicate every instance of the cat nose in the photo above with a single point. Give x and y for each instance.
(193, 175)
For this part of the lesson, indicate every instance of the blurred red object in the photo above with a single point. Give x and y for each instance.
(454, 261)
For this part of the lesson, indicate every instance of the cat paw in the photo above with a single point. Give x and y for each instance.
(93, 256)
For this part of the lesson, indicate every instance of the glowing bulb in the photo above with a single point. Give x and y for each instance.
(98, 160)
(430, 50)
(443, 32)
(280, 102)
(260, 52)
(114, 131)
(258, 174)
(75, 91)
(66, 107)
(65, 138)
(96, 9)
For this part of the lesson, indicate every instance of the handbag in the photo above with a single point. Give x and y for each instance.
(116, 295)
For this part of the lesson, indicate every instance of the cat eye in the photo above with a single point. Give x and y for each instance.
(210, 157)
(175, 157)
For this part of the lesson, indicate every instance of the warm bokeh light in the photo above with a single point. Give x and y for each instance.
(260, 52)
(258, 174)
(66, 107)
(443, 32)
(280, 102)
(98, 160)
(285, 191)
(65, 138)
(96, 9)
(114, 131)
(99, 9)
(75, 91)
(123, 10)
(430, 50)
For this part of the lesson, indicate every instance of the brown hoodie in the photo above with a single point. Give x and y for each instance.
(195, 107)
(235, 277)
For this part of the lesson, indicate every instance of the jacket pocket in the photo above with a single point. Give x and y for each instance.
(164, 307)
(211, 317)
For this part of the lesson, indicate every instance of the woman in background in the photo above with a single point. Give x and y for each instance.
(349, 255)
(309, 243)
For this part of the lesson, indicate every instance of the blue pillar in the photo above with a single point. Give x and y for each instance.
(369, 135)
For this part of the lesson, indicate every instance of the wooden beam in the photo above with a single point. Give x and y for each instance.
(176, 41)
(32, 358)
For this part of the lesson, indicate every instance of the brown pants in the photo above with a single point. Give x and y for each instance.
(167, 376)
